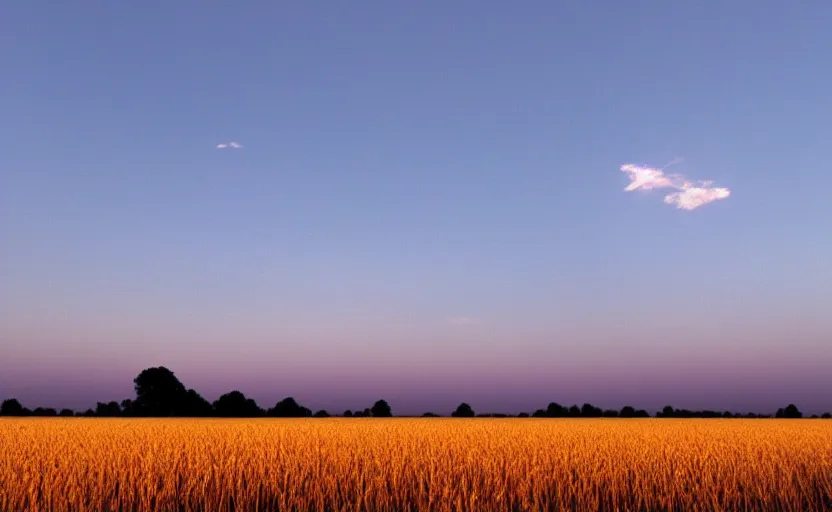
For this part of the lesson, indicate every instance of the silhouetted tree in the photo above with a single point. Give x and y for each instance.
(666, 412)
(159, 393)
(289, 408)
(430, 415)
(555, 410)
(381, 409)
(195, 406)
(108, 410)
(236, 405)
(590, 411)
(127, 407)
(463, 411)
(11, 407)
(792, 412)
(627, 412)
(826, 416)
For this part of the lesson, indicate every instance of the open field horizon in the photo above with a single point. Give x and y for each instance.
(408, 464)
(158, 392)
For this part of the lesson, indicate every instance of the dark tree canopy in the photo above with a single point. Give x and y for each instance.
(108, 410)
(463, 411)
(790, 412)
(590, 411)
(159, 393)
(289, 408)
(236, 405)
(11, 407)
(196, 406)
(381, 409)
(793, 412)
(127, 407)
(627, 412)
(555, 410)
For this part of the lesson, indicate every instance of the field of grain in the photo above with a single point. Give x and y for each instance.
(414, 464)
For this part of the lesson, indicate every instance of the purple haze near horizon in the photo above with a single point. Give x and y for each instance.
(428, 206)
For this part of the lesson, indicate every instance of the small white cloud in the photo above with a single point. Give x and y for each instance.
(646, 178)
(688, 197)
(464, 320)
(229, 145)
(693, 197)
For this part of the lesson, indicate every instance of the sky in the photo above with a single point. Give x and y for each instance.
(425, 203)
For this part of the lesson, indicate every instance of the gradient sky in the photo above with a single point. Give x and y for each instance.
(428, 207)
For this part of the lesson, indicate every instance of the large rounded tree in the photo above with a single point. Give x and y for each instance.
(11, 407)
(381, 409)
(289, 408)
(159, 393)
(463, 411)
(236, 405)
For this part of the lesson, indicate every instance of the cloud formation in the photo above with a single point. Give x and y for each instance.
(229, 145)
(688, 196)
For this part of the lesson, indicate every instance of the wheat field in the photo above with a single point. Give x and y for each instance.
(337, 464)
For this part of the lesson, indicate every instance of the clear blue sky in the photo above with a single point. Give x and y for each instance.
(428, 206)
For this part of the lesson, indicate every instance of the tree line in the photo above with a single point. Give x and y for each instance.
(159, 393)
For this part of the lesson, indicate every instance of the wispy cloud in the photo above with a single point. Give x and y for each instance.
(229, 145)
(688, 196)
(464, 320)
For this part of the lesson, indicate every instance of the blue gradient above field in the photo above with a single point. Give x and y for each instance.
(427, 205)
